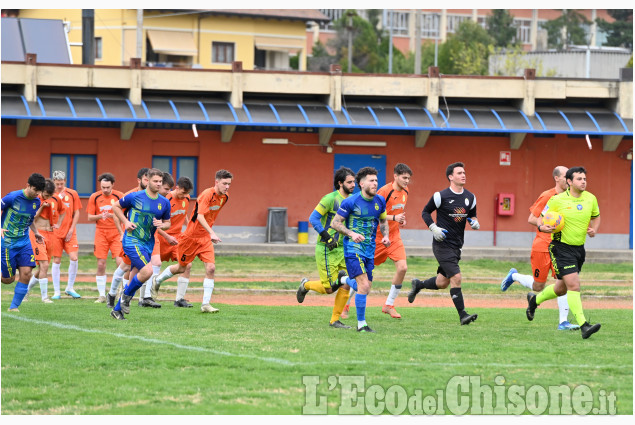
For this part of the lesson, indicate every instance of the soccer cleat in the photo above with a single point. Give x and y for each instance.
(390, 309)
(532, 306)
(149, 302)
(100, 300)
(414, 291)
(110, 300)
(56, 297)
(206, 308)
(302, 291)
(47, 301)
(125, 302)
(588, 329)
(154, 287)
(466, 320)
(566, 326)
(340, 275)
(339, 325)
(182, 303)
(14, 310)
(117, 314)
(365, 328)
(507, 282)
(344, 314)
(72, 293)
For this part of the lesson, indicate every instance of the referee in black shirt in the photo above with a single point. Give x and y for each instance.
(454, 206)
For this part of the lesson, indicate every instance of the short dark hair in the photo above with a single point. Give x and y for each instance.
(154, 172)
(142, 172)
(340, 176)
(106, 176)
(570, 171)
(168, 179)
(49, 186)
(450, 170)
(366, 171)
(185, 183)
(37, 181)
(402, 168)
(223, 174)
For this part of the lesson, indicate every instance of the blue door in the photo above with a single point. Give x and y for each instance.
(356, 162)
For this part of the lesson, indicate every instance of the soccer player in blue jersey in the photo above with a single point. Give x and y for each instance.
(362, 213)
(18, 210)
(148, 211)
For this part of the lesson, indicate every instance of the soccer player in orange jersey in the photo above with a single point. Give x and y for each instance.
(198, 239)
(66, 235)
(145, 293)
(108, 231)
(396, 195)
(168, 240)
(540, 259)
(48, 218)
(122, 274)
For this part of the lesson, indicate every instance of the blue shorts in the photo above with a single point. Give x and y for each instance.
(356, 265)
(14, 257)
(138, 255)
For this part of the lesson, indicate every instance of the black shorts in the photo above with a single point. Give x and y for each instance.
(566, 259)
(448, 258)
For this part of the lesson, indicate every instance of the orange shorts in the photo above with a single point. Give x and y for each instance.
(42, 251)
(190, 248)
(396, 251)
(168, 252)
(107, 240)
(155, 251)
(540, 266)
(60, 245)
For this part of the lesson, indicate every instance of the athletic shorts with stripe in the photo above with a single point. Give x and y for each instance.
(155, 251)
(138, 256)
(15, 257)
(189, 248)
(396, 251)
(329, 263)
(107, 240)
(566, 259)
(541, 265)
(356, 265)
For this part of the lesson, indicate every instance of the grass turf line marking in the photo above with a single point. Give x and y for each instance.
(290, 363)
(150, 340)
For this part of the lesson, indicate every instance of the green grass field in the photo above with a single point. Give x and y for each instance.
(73, 358)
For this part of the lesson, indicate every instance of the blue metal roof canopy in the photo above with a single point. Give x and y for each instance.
(471, 118)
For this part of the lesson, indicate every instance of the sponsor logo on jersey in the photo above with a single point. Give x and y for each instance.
(178, 212)
(450, 201)
(214, 207)
(459, 214)
(398, 206)
(579, 207)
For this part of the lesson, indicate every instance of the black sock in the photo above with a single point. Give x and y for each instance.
(430, 283)
(457, 299)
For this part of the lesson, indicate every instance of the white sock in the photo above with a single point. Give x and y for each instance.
(524, 279)
(361, 324)
(72, 274)
(148, 285)
(181, 287)
(563, 306)
(44, 288)
(394, 291)
(32, 283)
(164, 275)
(156, 269)
(125, 282)
(142, 292)
(101, 285)
(117, 278)
(208, 287)
(55, 271)
(350, 296)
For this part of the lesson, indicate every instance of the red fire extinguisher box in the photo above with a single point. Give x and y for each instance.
(505, 204)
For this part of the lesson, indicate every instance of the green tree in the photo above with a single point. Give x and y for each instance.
(571, 24)
(467, 51)
(620, 32)
(367, 40)
(500, 26)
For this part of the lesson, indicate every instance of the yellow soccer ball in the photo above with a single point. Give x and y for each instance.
(555, 219)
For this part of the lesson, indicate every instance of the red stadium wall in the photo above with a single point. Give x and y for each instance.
(296, 177)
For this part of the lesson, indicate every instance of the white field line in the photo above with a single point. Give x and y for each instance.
(291, 363)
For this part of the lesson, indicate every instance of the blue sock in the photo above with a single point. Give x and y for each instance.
(18, 295)
(360, 306)
(132, 287)
(352, 283)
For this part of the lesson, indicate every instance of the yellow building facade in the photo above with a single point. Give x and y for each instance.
(260, 39)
